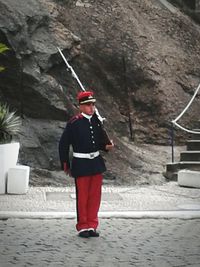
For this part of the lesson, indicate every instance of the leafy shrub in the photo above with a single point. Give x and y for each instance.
(9, 124)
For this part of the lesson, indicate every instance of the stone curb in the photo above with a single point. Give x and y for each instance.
(168, 214)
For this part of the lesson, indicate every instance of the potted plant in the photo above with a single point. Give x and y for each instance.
(9, 150)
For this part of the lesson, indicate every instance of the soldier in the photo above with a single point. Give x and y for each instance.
(85, 134)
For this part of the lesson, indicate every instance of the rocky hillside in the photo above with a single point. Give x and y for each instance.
(139, 57)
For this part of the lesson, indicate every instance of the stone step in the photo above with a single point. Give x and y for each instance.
(189, 160)
(190, 156)
(196, 136)
(173, 168)
(193, 145)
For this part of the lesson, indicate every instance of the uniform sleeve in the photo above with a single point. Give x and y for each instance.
(64, 145)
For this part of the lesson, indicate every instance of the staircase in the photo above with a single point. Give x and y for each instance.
(189, 159)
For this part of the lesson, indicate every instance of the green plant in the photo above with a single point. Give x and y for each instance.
(3, 48)
(9, 124)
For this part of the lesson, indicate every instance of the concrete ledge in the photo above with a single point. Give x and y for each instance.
(169, 214)
(189, 178)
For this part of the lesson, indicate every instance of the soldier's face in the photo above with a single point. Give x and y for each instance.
(88, 108)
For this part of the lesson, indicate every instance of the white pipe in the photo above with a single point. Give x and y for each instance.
(187, 105)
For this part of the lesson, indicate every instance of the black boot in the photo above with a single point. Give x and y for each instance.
(93, 233)
(84, 234)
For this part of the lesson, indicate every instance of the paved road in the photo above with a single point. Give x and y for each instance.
(123, 242)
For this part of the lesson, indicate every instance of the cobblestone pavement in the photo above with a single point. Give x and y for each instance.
(123, 242)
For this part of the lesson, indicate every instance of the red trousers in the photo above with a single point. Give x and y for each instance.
(88, 199)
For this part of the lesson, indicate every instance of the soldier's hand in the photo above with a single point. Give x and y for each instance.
(110, 146)
(67, 170)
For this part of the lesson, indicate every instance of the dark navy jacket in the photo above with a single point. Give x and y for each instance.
(85, 137)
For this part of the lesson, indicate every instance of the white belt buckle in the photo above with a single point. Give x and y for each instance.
(92, 155)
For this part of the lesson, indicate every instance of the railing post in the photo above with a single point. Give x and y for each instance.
(172, 141)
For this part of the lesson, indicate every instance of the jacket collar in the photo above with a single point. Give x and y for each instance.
(86, 116)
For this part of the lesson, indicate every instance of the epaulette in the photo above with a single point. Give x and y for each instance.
(75, 118)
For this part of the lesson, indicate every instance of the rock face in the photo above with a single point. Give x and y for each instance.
(32, 36)
(140, 58)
